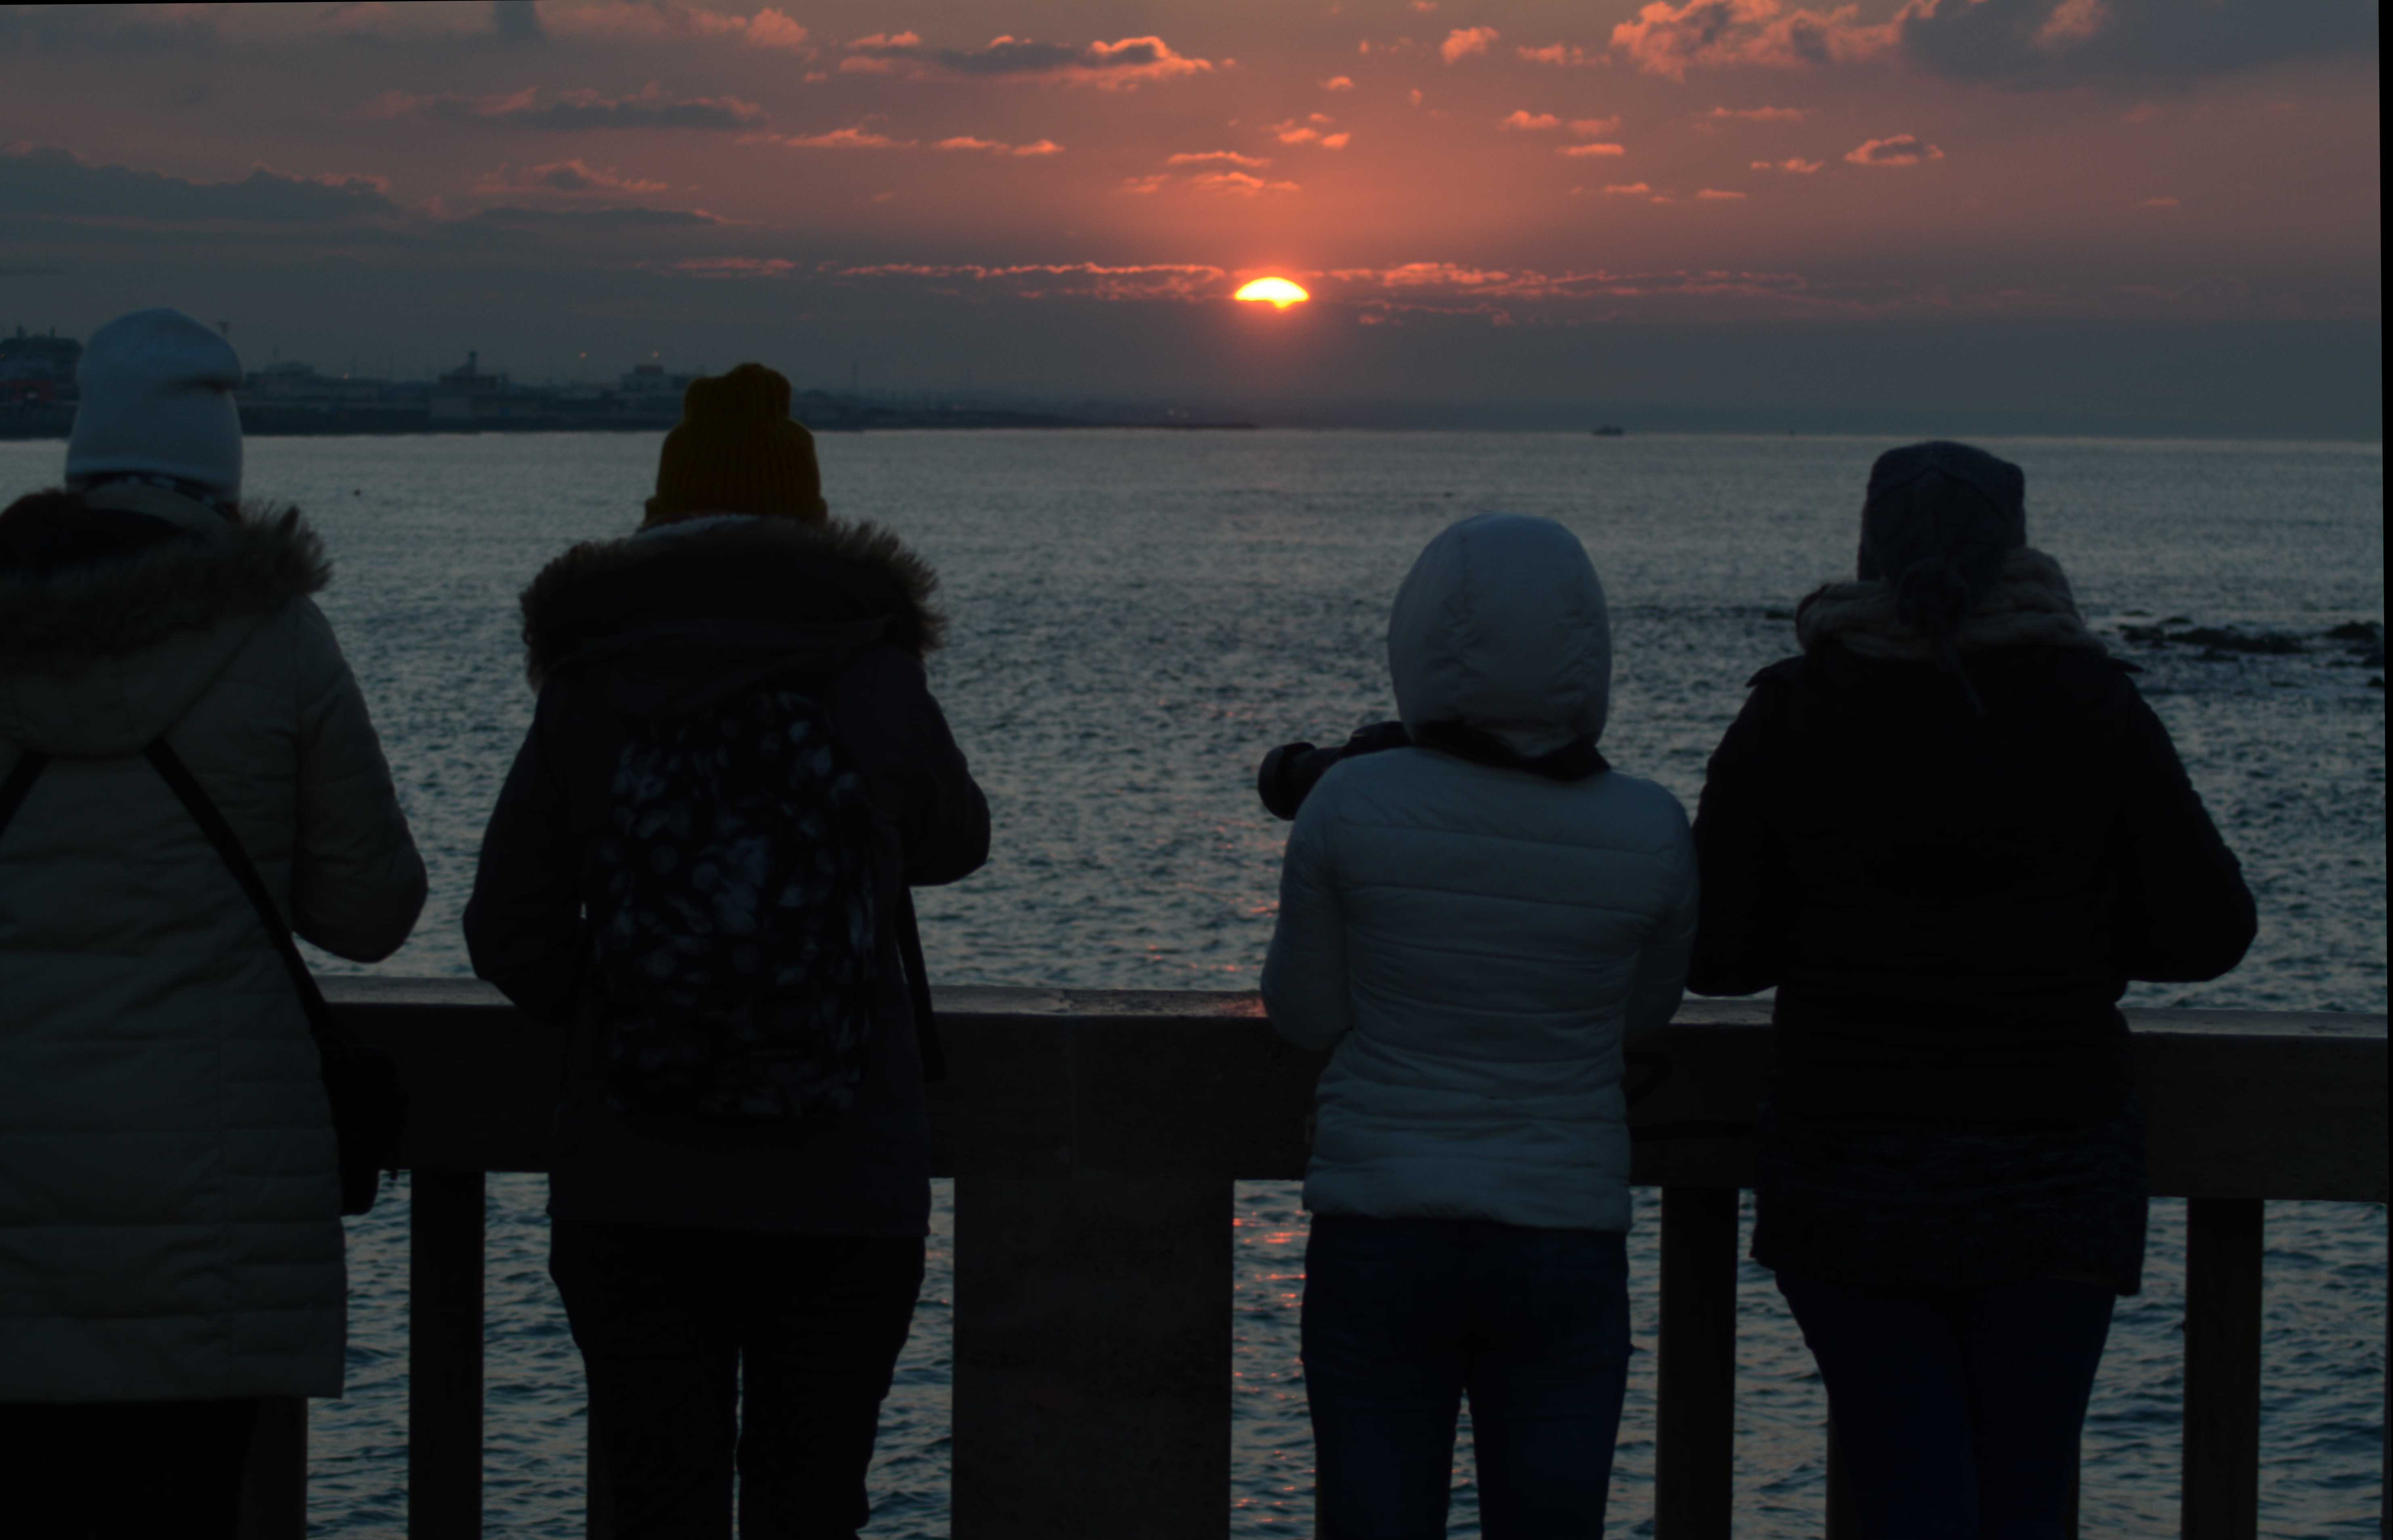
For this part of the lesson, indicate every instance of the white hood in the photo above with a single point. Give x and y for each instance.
(1502, 625)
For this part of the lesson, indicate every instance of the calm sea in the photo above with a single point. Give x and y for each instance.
(1136, 617)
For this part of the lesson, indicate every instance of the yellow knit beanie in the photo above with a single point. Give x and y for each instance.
(737, 451)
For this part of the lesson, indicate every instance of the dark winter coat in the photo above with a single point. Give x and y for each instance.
(1951, 904)
(673, 621)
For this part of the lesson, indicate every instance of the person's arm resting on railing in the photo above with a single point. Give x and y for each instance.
(2184, 914)
(1739, 930)
(912, 769)
(356, 882)
(523, 926)
(1305, 976)
(1662, 964)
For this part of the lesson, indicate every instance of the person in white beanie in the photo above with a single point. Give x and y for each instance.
(170, 1233)
(157, 407)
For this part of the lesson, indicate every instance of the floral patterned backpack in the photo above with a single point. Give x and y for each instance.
(735, 938)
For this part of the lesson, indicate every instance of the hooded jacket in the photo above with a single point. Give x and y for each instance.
(670, 621)
(1473, 942)
(169, 1203)
(1950, 901)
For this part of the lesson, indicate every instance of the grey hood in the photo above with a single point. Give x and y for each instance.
(97, 659)
(1501, 626)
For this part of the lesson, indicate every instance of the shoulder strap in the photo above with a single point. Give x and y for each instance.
(918, 987)
(21, 777)
(202, 809)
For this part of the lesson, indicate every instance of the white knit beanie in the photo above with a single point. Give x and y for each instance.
(157, 399)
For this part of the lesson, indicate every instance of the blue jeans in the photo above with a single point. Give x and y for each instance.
(1403, 1317)
(1957, 1410)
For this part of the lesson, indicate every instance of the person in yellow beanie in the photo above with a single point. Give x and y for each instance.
(737, 450)
(697, 870)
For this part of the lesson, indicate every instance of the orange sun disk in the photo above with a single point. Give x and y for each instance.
(1277, 293)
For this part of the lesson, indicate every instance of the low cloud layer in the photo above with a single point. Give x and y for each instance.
(46, 181)
(2022, 44)
(1124, 64)
(576, 110)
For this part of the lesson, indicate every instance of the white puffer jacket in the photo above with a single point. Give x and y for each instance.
(1475, 942)
(169, 1207)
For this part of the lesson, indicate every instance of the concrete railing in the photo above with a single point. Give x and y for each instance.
(1094, 1137)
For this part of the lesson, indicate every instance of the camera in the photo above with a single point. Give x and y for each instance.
(1291, 771)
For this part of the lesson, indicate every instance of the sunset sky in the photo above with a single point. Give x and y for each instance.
(2137, 211)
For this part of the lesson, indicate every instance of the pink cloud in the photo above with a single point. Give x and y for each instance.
(1718, 195)
(1755, 114)
(998, 146)
(1454, 288)
(1237, 182)
(1628, 189)
(1462, 42)
(1122, 65)
(2072, 22)
(1559, 53)
(1338, 83)
(772, 29)
(1293, 132)
(1669, 40)
(1171, 280)
(1898, 150)
(2158, 203)
(768, 28)
(1588, 128)
(1796, 166)
(1525, 122)
(858, 138)
(1219, 157)
(1153, 182)
(1584, 151)
(573, 177)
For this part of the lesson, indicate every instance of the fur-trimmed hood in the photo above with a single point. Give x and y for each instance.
(774, 571)
(2031, 605)
(98, 656)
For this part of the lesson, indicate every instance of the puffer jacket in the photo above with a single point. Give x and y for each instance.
(669, 622)
(169, 1204)
(1474, 942)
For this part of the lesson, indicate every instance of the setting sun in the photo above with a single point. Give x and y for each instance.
(1277, 293)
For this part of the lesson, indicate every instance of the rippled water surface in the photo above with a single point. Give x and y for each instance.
(1137, 616)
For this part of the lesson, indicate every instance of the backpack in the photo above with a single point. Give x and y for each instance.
(734, 935)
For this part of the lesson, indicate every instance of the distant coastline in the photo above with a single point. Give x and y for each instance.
(269, 423)
(290, 399)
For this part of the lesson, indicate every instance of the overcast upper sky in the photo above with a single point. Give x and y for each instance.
(1723, 206)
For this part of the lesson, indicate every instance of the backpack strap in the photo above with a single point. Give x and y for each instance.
(918, 987)
(202, 809)
(21, 775)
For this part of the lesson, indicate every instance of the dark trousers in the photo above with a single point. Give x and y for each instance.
(1404, 1317)
(125, 1469)
(1957, 1411)
(713, 1350)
